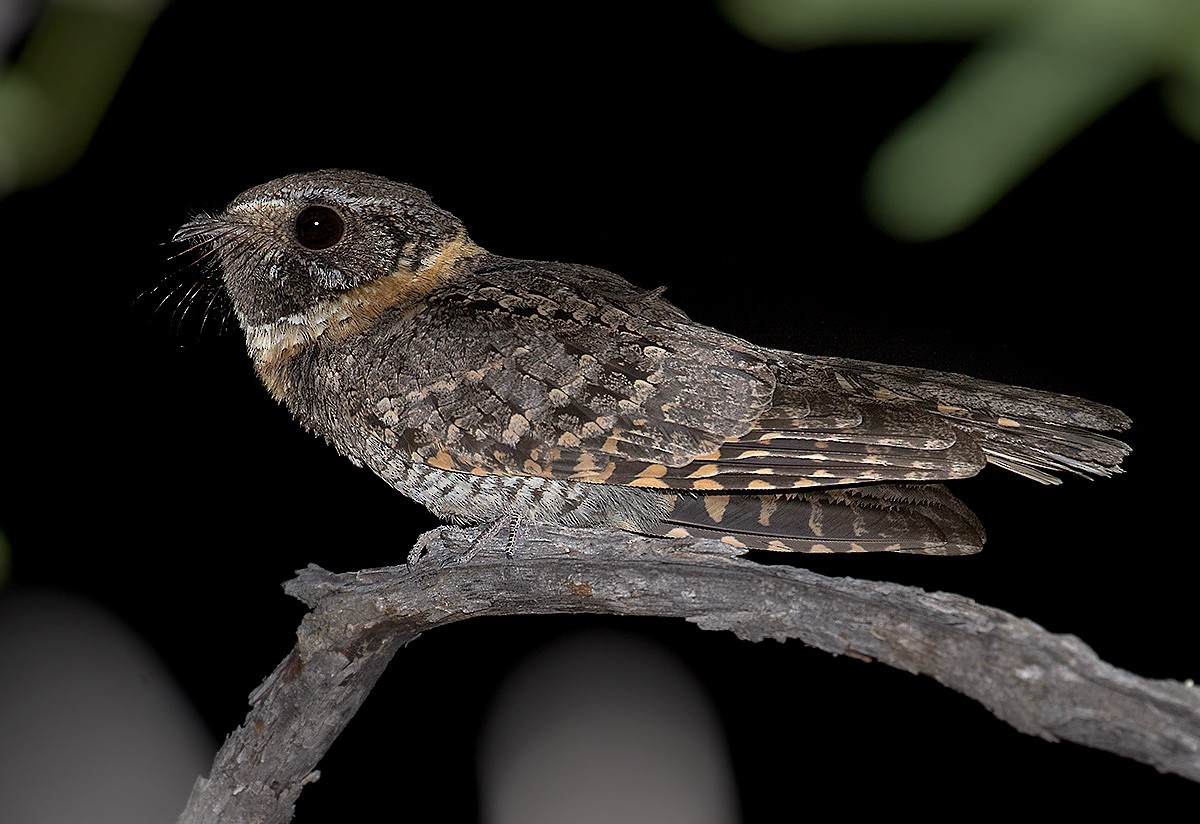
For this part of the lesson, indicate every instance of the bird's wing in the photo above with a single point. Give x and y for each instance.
(812, 436)
(529, 376)
(525, 383)
(1028, 431)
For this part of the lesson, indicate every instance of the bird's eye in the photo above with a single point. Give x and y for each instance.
(319, 227)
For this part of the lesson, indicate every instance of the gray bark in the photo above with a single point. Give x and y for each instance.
(1049, 685)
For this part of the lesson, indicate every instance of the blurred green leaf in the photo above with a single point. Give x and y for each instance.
(1044, 70)
(53, 97)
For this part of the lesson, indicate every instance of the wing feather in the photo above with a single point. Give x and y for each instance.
(516, 372)
(1028, 431)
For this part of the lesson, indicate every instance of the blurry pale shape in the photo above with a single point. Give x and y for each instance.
(1005, 110)
(604, 729)
(1182, 92)
(786, 24)
(53, 97)
(92, 728)
(1050, 68)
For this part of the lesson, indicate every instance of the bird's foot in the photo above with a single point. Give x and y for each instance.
(459, 545)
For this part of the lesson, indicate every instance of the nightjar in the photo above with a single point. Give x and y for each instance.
(488, 388)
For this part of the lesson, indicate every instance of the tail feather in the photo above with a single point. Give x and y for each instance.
(916, 518)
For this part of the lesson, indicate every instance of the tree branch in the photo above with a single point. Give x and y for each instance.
(1052, 686)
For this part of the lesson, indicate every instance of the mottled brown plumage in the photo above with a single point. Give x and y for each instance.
(487, 388)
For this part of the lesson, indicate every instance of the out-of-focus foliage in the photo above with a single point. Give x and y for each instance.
(1043, 71)
(53, 96)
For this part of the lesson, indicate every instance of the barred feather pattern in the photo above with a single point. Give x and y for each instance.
(487, 388)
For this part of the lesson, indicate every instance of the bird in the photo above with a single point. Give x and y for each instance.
(495, 390)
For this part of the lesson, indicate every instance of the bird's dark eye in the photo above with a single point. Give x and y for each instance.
(319, 227)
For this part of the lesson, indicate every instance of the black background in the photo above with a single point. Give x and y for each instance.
(149, 471)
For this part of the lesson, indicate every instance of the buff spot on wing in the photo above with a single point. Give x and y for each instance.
(605, 473)
(801, 482)
(819, 548)
(1009, 422)
(533, 468)
(705, 471)
(780, 546)
(568, 439)
(587, 470)
(752, 453)
(947, 409)
(732, 541)
(678, 532)
(586, 463)
(517, 426)
(714, 506)
(612, 445)
(442, 460)
(707, 485)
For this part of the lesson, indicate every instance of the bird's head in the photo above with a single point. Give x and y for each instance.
(294, 242)
(318, 254)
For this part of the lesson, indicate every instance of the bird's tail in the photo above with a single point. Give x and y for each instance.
(918, 518)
